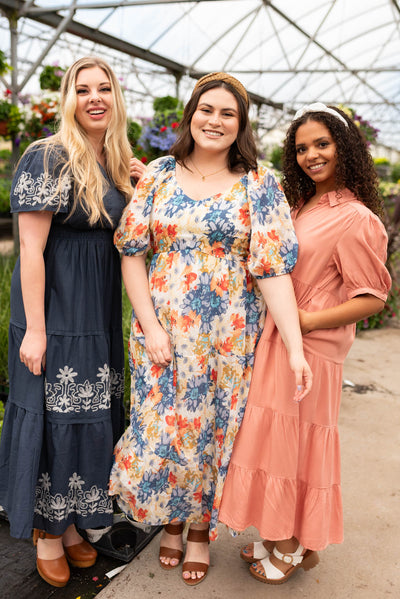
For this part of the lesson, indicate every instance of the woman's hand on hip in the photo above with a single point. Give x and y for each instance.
(158, 345)
(32, 352)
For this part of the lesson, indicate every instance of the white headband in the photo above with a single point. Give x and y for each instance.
(319, 107)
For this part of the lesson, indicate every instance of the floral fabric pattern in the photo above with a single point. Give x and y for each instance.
(172, 461)
(70, 396)
(80, 499)
(41, 190)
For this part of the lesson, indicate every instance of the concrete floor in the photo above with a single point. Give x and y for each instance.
(367, 564)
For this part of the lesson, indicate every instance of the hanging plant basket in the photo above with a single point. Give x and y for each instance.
(4, 128)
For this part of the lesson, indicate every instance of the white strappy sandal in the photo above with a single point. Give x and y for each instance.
(272, 574)
(259, 552)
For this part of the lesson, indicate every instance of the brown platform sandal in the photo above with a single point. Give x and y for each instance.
(54, 571)
(171, 529)
(196, 536)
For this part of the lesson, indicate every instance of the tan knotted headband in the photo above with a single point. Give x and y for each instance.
(226, 79)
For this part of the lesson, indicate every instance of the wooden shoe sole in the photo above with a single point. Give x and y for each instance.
(310, 559)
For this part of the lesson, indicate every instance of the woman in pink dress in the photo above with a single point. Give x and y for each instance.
(284, 474)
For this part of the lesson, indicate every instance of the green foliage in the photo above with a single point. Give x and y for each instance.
(382, 161)
(381, 319)
(134, 130)
(166, 104)
(395, 173)
(5, 187)
(12, 115)
(6, 268)
(4, 66)
(50, 77)
(276, 156)
(391, 197)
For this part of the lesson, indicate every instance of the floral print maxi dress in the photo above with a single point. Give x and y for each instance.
(172, 460)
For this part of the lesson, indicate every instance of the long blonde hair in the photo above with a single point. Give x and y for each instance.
(80, 161)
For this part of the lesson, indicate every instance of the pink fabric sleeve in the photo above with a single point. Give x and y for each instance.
(360, 256)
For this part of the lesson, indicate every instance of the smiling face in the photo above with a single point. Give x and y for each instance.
(316, 154)
(94, 101)
(215, 122)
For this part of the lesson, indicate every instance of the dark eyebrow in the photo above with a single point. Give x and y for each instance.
(211, 106)
(323, 138)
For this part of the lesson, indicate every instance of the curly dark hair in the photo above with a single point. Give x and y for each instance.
(242, 153)
(354, 167)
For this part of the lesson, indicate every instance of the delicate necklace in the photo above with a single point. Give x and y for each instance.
(204, 177)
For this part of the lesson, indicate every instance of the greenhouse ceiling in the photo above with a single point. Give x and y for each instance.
(287, 53)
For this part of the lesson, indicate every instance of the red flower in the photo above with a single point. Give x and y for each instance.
(144, 159)
(163, 129)
(174, 125)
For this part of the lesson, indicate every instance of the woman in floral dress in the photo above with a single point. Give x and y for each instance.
(222, 240)
(64, 411)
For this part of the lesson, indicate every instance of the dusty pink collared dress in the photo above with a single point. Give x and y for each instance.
(284, 474)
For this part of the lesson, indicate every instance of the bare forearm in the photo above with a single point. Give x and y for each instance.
(281, 303)
(137, 287)
(33, 284)
(349, 312)
(157, 341)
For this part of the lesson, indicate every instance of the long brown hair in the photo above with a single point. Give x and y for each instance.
(242, 154)
(354, 165)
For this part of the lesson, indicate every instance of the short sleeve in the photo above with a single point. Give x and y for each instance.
(360, 257)
(132, 236)
(273, 243)
(36, 180)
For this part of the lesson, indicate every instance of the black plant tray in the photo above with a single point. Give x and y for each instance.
(125, 540)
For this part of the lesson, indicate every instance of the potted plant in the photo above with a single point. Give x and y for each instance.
(11, 116)
(50, 77)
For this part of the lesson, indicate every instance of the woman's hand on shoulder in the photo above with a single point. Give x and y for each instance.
(158, 345)
(32, 352)
(136, 168)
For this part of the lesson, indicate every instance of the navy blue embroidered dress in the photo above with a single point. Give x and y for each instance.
(59, 428)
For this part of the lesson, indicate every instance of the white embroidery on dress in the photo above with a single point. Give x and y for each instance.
(32, 192)
(82, 501)
(68, 396)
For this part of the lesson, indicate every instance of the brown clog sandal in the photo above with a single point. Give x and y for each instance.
(171, 529)
(196, 536)
(272, 574)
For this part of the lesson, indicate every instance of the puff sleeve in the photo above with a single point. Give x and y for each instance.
(273, 243)
(360, 256)
(36, 180)
(132, 236)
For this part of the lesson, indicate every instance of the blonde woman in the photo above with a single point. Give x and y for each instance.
(64, 411)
